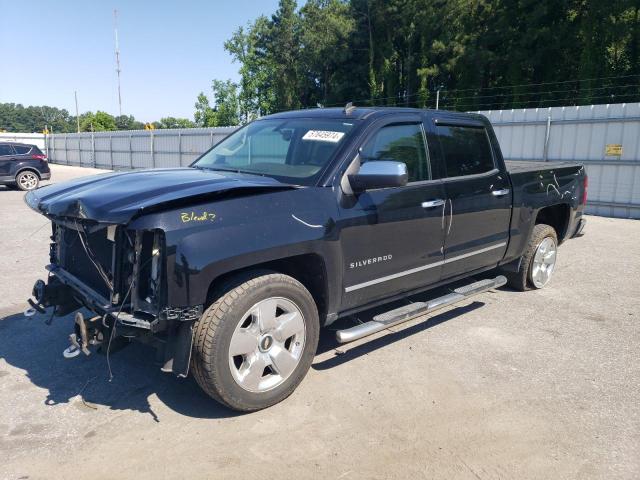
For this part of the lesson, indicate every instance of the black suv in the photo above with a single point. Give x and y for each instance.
(22, 165)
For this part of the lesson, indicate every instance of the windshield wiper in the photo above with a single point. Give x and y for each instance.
(199, 167)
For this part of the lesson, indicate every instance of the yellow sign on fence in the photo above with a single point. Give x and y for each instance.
(613, 150)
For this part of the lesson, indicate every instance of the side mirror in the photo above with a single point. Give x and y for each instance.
(379, 174)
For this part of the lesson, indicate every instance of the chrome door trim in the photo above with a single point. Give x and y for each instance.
(423, 267)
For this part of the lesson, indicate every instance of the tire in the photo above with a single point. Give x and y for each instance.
(239, 316)
(523, 280)
(27, 180)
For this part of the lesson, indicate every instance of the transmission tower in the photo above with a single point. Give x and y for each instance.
(115, 29)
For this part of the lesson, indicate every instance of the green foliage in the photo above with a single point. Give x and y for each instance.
(17, 118)
(172, 122)
(226, 108)
(97, 122)
(481, 54)
(128, 122)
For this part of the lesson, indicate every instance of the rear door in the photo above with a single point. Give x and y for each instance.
(391, 238)
(6, 157)
(478, 209)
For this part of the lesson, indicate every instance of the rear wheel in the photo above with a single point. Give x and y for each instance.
(27, 180)
(255, 343)
(538, 262)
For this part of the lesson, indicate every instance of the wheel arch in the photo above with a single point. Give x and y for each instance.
(27, 168)
(556, 216)
(308, 268)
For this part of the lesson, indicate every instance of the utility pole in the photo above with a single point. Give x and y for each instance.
(115, 29)
(75, 93)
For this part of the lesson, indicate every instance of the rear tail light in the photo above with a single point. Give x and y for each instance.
(39, 157)
(584, 191)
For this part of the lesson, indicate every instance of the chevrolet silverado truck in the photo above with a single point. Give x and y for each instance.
(231, 266)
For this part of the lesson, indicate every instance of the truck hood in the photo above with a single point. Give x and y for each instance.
(117, 198)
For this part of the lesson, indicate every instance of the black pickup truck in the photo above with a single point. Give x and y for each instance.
(231, 266)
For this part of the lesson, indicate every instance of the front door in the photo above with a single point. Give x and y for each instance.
(478, 210)
(392, 238)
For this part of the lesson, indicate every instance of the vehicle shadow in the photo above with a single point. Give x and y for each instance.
(36, 348)
(328, 341)
(32, 346)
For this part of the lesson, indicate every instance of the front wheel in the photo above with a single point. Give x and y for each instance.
(256, 342)
(538, 262)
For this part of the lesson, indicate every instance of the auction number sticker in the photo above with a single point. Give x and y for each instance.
(323, 136)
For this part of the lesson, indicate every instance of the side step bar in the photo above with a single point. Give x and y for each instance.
(407, 312)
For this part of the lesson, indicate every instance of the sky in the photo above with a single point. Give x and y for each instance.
(169, 52)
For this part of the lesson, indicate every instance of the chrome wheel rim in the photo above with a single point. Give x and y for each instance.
(267, 345)
(28, 181)
(544, 262)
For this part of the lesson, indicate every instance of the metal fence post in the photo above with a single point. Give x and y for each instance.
(79, 150)
(111, 150)
(66, 149)
(180, 148)
(93, 150)
(130, 151)
(211, 139)
(547, 134)
(153, 158)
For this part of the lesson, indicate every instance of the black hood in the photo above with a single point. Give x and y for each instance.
(119, 197)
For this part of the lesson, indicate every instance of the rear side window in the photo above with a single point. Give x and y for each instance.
(400, 143)
(22, 149)
(6, 150)
(466, 150)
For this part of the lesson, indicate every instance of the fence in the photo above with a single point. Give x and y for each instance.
(605, 138)
(133, 149)
(30, 138)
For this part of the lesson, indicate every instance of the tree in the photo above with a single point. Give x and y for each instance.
(226, 109)
(481, 54)
(97, 122)
(204, 115)
(172, 122)
(128, 122)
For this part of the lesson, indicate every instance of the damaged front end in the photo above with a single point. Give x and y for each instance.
(109, 253)
(119, 274)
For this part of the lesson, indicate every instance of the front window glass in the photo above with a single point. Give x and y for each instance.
(6, 150)
(400, 143)
(290, 150)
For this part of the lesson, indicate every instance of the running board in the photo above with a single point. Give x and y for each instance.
(407, 312)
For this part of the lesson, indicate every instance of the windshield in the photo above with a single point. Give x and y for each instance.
(291, 150)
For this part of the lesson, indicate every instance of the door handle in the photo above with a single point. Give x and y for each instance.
(433, 203)
(500, 193)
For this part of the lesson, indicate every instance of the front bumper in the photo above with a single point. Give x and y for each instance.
(99, 304)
